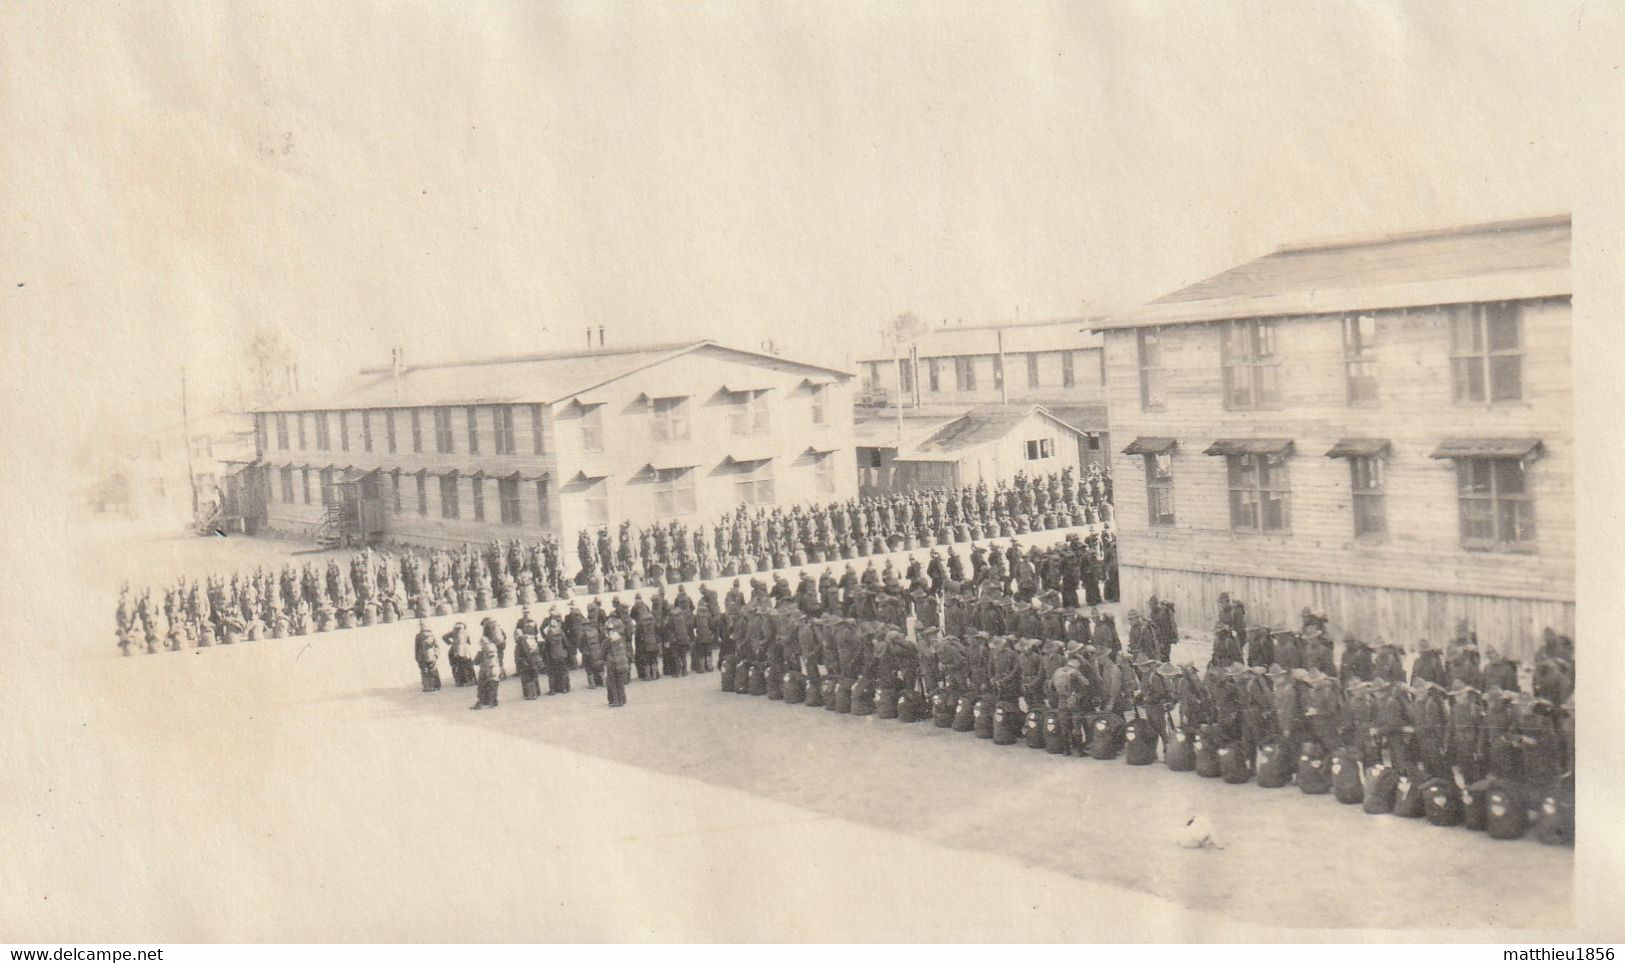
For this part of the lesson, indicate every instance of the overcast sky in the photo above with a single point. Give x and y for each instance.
(467, 179)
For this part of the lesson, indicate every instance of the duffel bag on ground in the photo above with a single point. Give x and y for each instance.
(843, 696)
(1234, 766)
(1505, 814)
(1033, 728)
(794, 687)
(1275, 766)
(1006, 724)
(1139, 743)
(1205, 747)
(758, 680)
(1055, 732)
(1105, 735)
(910, 706)
(1181, 754)
(1554, 819)
(1441, 804)
(774, 682)
(1408, 795)
(942, 708)
(727, 673)
(965, 714)
(1380, 785)
(983, 711)
(1346, 777)
(863, 697)
(815, 694)
(1314, 776)
(885, 703)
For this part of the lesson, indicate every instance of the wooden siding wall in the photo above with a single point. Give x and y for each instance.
(1319, 558)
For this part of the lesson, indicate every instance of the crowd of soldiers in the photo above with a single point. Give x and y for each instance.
(376, 587)
(1446, 735)
(675, 637)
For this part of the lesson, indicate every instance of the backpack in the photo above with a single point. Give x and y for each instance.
(1234, 766)
(1408, 796)
(1139, 743)
(1504, 814)
(1181, 753)
(843, 696)
(1441, 803)
(964, 714)
(982, 709)
(1105, 739)
(1314, 775)
(1034, 729)
(1006, 724)
(1274, 766)
(1206, 748)
(1554, 822)
(863, 697)
(1055, 734)
(1380, 784)
(1345, 766)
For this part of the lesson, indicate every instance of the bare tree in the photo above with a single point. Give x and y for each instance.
(265, 359)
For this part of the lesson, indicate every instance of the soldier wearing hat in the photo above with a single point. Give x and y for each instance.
(489, 668)
(1142, 638)
(617, 659)
(427, 650)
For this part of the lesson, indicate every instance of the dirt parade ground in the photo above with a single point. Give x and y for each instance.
(263, 789)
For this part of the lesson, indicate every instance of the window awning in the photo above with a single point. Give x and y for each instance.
(817, 381)
(748, 458)
(822, 448)
(1358, 448)
(747, 387)
(666, 464)
(1486, 448)
(1249, 446)
(1150, 446)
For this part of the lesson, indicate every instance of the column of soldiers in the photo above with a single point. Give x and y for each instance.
(380, 587)
(1447, 735)
(679, 635)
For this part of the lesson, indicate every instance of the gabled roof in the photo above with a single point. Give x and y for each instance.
(524, 379)
(976, 428)
(1502, 260)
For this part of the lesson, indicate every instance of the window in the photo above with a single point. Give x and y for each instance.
(1365, 484)
(824, 473)
(670, 420)
(304, 477)
(344, 430)
(595, 502)
(287, 485)
(327, 486)
(366, 431)
(933, 371)
(1032, 368)
(674, 492)
(1252, 369)
(749, 415)
(1153, 395)
(508, 500)
(1092, 441)
(282, 430)
(819, 397)
(755, 484)
(324, 437)
(1496, 511)
(1486, 352)
(417, 431)
(260, 432)
(473, 430)
(1040, 448)
(448, 496)
(299, 417)
(502, 418)
(964, 374)
(541, 501)
(423, 492)
(1159, 488)
(479, 496)
(442, 431)
(1069, 372)
(389, 430)
(875, 458)
(1259, 494)
(1360, 358)
(536, 429)
(592, 428)
(395, 489)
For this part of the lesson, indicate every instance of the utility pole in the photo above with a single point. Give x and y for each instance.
(186, 432)
(1004, 396)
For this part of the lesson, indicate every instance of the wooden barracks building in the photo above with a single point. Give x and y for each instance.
(554, 443)
(1379, 428)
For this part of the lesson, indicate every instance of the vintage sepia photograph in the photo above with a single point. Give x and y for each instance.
(612, 472)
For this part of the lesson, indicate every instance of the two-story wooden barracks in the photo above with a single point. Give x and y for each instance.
(554, 443)
(1379, 428)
